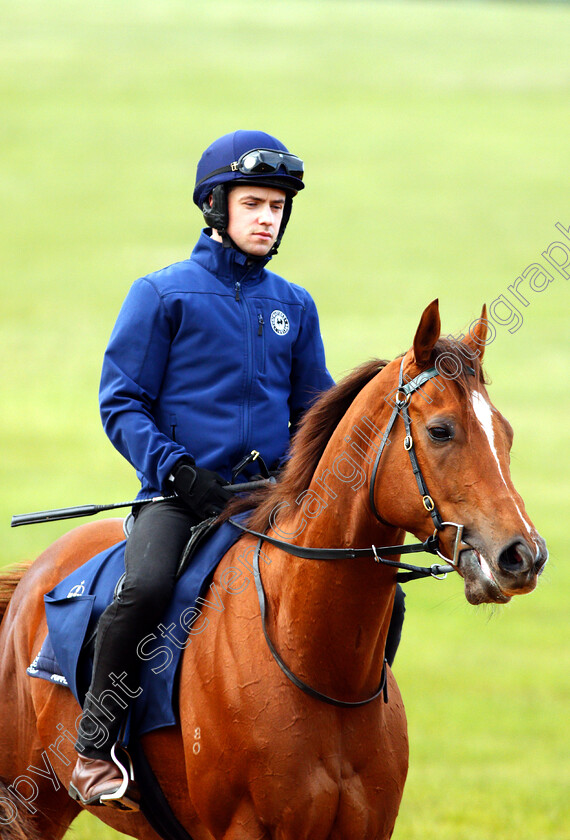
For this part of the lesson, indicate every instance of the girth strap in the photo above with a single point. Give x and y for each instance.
(154, 803)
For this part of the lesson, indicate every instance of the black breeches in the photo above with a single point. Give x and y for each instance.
(154, 547)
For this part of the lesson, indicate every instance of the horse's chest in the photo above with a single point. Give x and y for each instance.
(328, 798)
(300, 783)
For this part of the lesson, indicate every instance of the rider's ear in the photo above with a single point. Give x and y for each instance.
(427, 333)
(477, 335)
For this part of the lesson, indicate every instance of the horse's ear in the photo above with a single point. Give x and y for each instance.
(477, 335)
(427, 333)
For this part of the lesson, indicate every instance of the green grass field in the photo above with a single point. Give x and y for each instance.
(435, 138)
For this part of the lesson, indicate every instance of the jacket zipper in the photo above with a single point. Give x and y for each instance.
(261, 342)
(245, 425)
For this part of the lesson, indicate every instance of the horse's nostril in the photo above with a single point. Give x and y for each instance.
(515, 558)
(540, 562)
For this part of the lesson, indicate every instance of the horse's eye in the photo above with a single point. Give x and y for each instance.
(440, 433)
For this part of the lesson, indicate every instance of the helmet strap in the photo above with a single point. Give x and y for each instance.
(215, 212)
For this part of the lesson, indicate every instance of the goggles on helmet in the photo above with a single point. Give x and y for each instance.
(262, 162)
(268, 162)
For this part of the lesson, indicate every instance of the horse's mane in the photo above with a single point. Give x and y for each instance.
(322, 418)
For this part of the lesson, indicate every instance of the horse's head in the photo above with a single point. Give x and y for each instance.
(462, 444)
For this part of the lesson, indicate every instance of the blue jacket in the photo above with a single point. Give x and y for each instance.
(209, 358)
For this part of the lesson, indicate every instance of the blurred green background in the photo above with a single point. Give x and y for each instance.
(435, 138)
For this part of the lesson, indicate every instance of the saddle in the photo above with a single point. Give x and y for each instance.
(74, 606)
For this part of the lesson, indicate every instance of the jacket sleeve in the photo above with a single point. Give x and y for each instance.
(309, 374)
(131, 379)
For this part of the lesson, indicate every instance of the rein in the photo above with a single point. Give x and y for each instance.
(430, 545)
(312, 692)
(311, 553)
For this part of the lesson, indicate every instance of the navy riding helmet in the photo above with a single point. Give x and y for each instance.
(245, 157)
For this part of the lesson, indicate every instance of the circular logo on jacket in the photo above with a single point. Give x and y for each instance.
(279, 322)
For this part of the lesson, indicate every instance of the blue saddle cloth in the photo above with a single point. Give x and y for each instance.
(75, 605)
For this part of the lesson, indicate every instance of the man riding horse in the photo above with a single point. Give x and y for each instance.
(210, 358)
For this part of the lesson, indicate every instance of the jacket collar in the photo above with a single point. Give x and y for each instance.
(226, 263)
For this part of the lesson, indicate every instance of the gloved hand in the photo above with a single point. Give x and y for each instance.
(203, 491)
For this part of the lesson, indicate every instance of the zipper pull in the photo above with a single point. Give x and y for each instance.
(237, 288)
(261, 322)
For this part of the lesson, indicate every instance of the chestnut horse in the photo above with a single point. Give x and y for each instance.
(253, 756)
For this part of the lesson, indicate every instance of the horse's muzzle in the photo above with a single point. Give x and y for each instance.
(514, 570)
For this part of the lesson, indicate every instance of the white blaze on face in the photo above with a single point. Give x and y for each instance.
(484, 414)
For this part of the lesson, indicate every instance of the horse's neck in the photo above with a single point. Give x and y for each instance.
(329, 619)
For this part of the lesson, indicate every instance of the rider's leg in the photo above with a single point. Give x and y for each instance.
(160, 532)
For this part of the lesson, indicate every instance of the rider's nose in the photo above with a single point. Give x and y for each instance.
(265, 216)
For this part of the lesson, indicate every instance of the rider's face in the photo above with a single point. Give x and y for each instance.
(255, 215)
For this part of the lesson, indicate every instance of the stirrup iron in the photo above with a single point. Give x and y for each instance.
(115, 799)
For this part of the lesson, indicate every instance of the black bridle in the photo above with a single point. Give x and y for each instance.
(430, 545)
(401, 403)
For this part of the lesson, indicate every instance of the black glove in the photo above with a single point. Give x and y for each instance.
(203, 491)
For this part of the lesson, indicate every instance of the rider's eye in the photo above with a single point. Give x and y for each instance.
(441, 433)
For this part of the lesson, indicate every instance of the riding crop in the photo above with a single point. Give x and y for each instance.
(91, 510)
